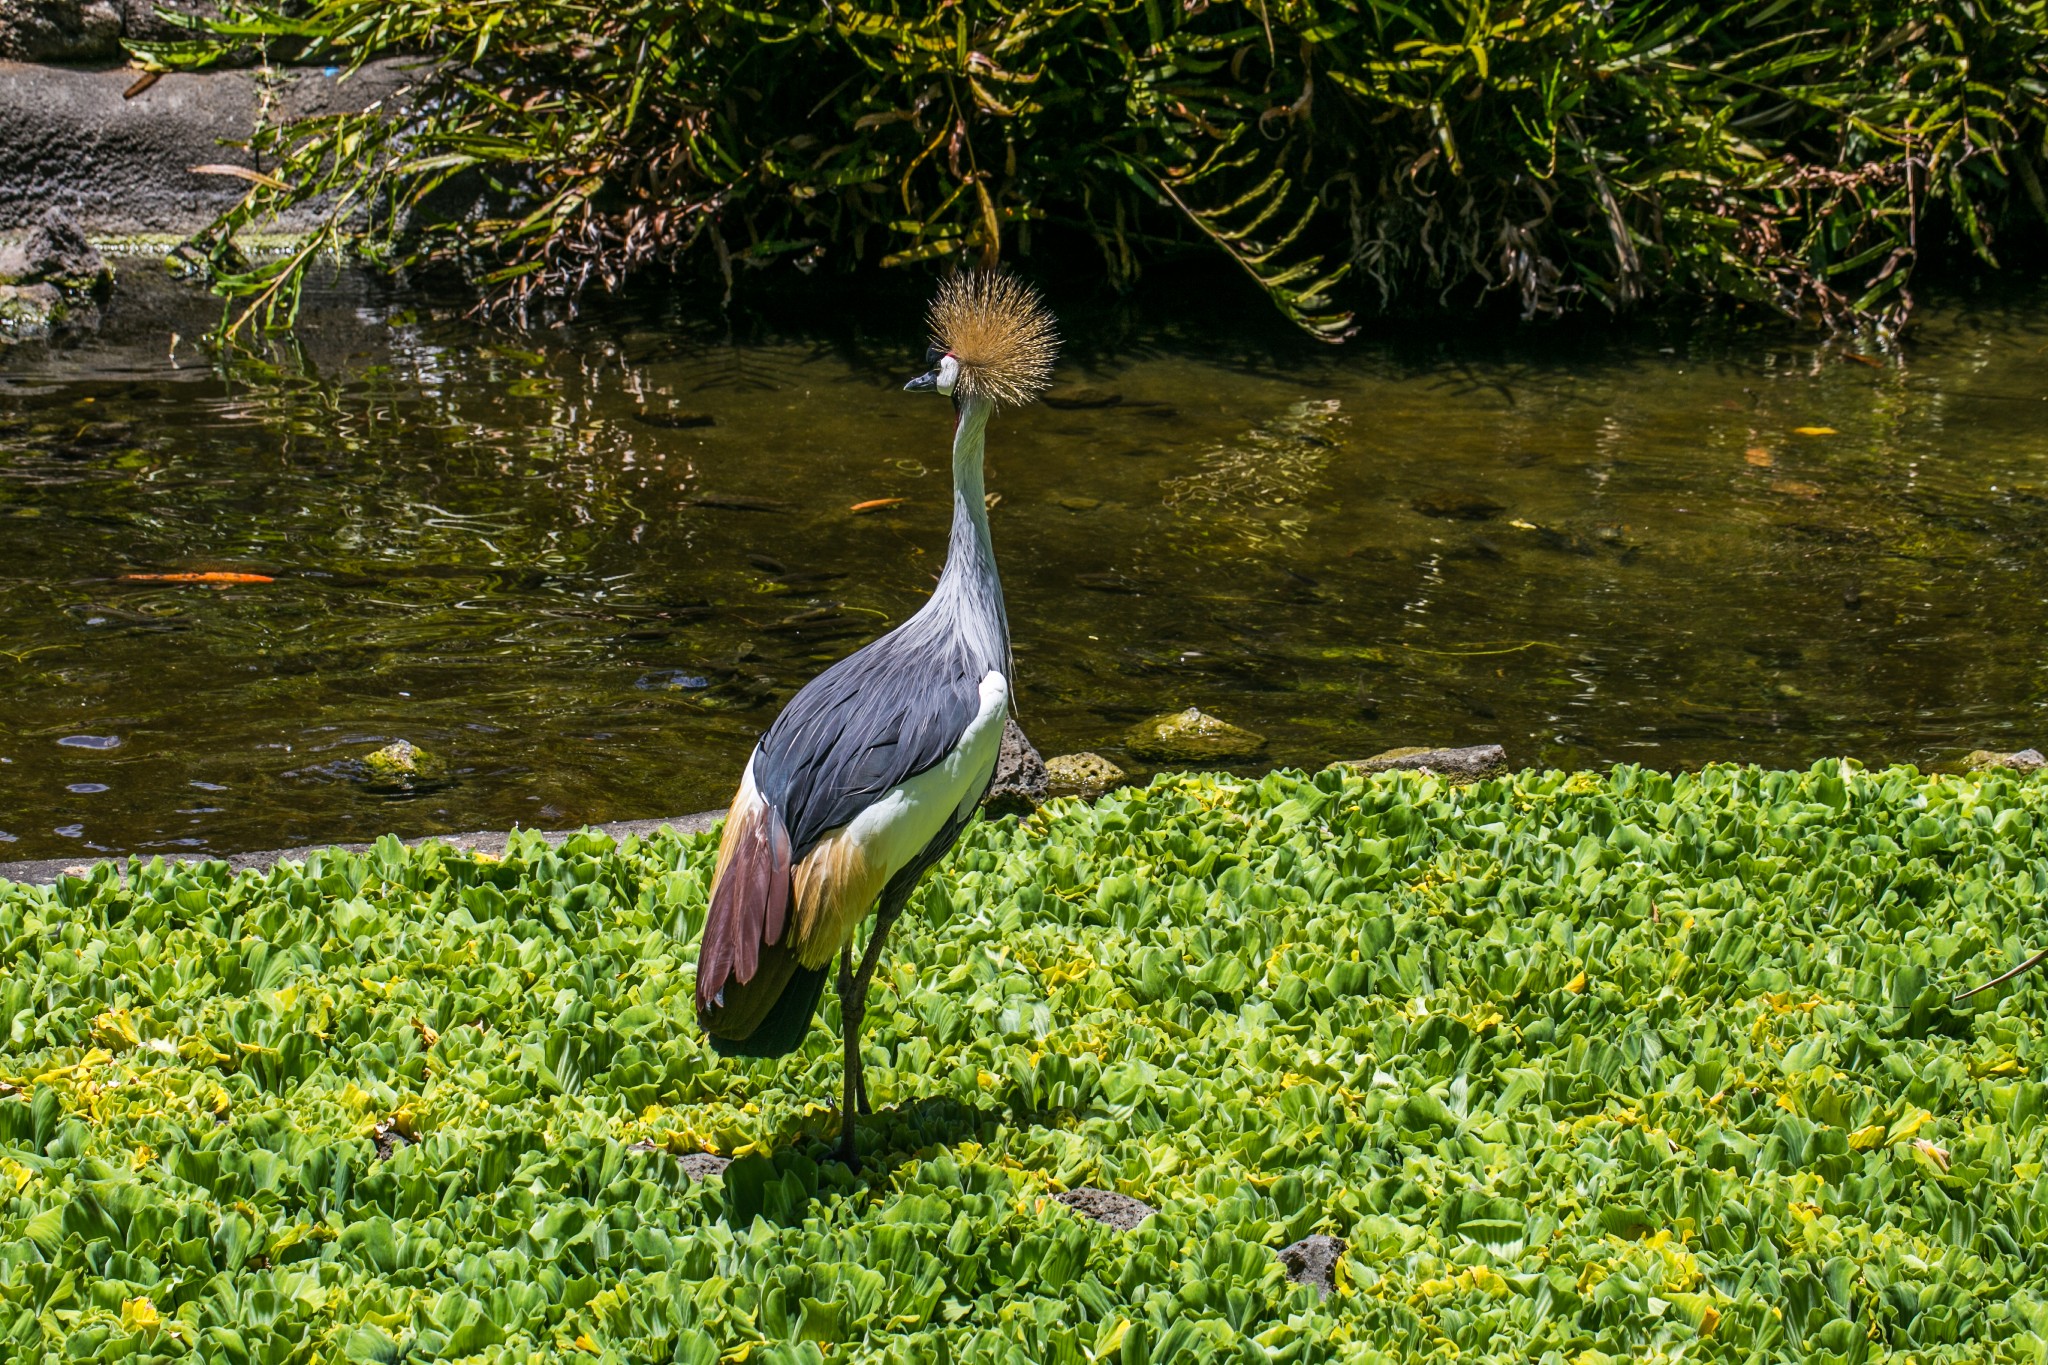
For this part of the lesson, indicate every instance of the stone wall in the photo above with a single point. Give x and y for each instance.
(85, 30)
(71, 138)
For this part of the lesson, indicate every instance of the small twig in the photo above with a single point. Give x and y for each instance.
(2036, 960)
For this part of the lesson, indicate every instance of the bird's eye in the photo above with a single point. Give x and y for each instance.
(933, 355)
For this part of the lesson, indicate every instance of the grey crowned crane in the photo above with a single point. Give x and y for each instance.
(872, 770)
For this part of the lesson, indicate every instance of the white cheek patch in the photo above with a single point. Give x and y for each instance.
(949, 374)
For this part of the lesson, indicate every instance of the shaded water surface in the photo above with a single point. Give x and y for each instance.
(586, 566)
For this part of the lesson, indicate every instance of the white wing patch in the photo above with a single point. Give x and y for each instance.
(896, 828)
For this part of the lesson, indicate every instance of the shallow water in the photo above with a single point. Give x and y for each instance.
(586, 566)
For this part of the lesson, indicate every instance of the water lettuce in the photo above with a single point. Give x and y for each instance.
(1582, 1068)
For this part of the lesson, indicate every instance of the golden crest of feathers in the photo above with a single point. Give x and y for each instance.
(1000, 331)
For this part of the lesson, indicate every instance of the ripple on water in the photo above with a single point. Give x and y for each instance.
(1592, 546)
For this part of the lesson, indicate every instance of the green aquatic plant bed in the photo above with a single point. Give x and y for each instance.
(1582, 1068)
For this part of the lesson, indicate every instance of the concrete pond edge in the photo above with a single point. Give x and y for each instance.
(44, 871)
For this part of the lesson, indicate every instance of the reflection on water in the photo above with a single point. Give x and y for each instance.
(586, 568)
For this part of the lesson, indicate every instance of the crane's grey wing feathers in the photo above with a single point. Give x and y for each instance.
(869, 723)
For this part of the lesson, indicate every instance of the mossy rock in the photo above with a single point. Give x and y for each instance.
(1191, 736)
(29, 312)
(402, 766)
(1087, 775)
(1459, 765)
(2025, 761)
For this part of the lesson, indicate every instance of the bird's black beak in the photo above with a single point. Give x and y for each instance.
(926, 381)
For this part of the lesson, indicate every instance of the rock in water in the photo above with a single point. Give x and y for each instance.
(401, 766)
(1458, 506)
(1460, 765)
(1313, 1261)
(1086, 775)
(55, 251)
(1191, 736)
(1078, 396)
(1020, 783)
(2025, 761)
(30, 312)
(49, 277)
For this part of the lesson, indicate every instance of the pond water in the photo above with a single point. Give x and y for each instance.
(585, 566)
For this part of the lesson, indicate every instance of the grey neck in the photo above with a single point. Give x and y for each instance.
(968, 586)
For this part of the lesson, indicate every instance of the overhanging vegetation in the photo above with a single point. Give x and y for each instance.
(1349, 155)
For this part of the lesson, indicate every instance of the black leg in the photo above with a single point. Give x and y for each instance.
(853, 1009)
(849, 1034)
(885, 919)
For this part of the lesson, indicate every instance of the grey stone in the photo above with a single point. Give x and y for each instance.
(1119, 1211)
(54, 251)
(698, 1166)
(51, 279)
(1020, 782)
(703, 1165)
(389, 1139)
(143, 21)
(60, 30)
(1191, 736)
(122, 167)
(1460, 765)
(1086, 775)
(2025, 761)
(1313, 1261)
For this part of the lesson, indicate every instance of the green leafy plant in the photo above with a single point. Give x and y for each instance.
(1345, 153)
(1581, 1067)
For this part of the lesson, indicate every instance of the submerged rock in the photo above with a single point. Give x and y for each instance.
(1460, 765)
(675, 421)
(402, 766)
(1086, 775)
(1313, 1261)
(2025, 761)
(1080, 396)
(1119, 1211)
(1191, 736)
(671, 680)
(1458, 506)
(1020, 782)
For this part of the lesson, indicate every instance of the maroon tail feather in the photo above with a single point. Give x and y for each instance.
(749, 908)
